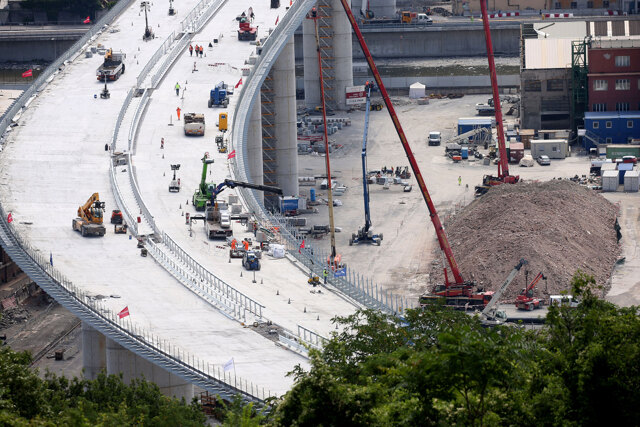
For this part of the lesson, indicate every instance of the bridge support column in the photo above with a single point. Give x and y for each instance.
(121, 360)
(254, 147)
(94, 351)
(284, 82)
(334, 32)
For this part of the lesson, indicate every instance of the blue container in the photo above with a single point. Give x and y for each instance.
(312, 194)
(464, 153)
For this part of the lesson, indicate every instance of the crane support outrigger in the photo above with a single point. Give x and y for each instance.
(365, 235)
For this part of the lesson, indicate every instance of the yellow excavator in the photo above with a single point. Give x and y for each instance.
(90, 216)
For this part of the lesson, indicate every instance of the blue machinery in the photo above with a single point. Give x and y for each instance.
(365, 235)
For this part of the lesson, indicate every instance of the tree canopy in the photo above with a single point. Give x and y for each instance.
(28, 400)
(441, 367)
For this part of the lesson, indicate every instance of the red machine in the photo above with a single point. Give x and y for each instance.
(245, 30)
(526, 301)
(503, 166)
(458, 292)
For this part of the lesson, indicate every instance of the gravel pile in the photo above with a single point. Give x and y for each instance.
(558, 226)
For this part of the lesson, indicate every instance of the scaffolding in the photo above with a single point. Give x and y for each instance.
(579, 83)
(325, 40)
(269, 139)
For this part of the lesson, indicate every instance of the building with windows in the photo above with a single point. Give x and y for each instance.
(614, 75)
(611, 127)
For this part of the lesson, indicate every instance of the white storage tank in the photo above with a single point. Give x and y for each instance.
(610, 181)
(632, 181)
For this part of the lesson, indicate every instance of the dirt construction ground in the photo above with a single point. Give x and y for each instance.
(402, 262)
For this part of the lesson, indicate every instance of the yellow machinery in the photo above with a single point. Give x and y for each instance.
(90, 216)
(222, 122)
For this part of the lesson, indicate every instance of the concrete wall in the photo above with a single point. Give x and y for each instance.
(33, 50)
(427, 43)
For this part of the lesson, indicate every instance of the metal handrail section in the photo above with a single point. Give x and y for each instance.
(354, 285)
(248, 303)
(173, 55)
(138, 340)
(164, 47)
(123, 111)
(47, 75)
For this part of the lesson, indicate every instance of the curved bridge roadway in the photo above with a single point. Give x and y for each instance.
(189, 304)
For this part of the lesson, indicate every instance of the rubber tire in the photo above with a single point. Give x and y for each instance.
(530, 307)
(83, 231)
(379, 242)
(350, 242)
(123, 68)
(381, 238)
(210, 104)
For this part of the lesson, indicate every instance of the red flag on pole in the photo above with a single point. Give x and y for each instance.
(28, 73)
(9, 218)
(87, 20)
(301, 247)
(239, 83)
(277, 19)
(124, 312)
(231, 155)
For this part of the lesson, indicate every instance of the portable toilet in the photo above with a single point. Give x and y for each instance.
(222, 122)
(312, 194)
(464, 152)
(610, 180)
(632, 181)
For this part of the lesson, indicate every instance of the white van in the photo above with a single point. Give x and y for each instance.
(424, 19)
(435, 138)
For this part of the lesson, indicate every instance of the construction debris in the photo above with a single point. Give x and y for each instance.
(558, 226)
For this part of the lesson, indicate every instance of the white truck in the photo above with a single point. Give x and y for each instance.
(435, 138)
(194, 124)
(112, 67)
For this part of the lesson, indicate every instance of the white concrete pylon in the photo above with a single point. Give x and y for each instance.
(94, 352)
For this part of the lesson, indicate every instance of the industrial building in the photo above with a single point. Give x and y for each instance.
(614, 75)
(611, 127)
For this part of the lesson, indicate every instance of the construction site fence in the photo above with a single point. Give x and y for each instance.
(47, 75)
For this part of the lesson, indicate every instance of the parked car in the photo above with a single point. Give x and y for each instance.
(544, 160)
(630, 159)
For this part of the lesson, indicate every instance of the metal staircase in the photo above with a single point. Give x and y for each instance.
(269, 140)
(325, 39)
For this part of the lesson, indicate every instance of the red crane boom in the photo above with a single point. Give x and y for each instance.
(503, 165)
(442, 237)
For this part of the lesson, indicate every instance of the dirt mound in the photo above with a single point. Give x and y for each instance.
(557, 226)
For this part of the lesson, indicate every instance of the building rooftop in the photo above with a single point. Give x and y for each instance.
(595, 115)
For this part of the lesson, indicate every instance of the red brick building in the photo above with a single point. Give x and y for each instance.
(614, 75)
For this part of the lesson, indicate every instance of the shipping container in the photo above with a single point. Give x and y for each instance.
(632, 181)
(553, 148)
(516, 152)
(619, 151)
(610, 181)
(526, 135)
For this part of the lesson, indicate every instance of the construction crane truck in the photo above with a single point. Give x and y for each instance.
(245, 31)
(217, 217)
(490, 313)
(90, 217)
(203, 194)
(112, 67)
(526, 301)
(365, 234)
(503, 176)
(457, 292)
